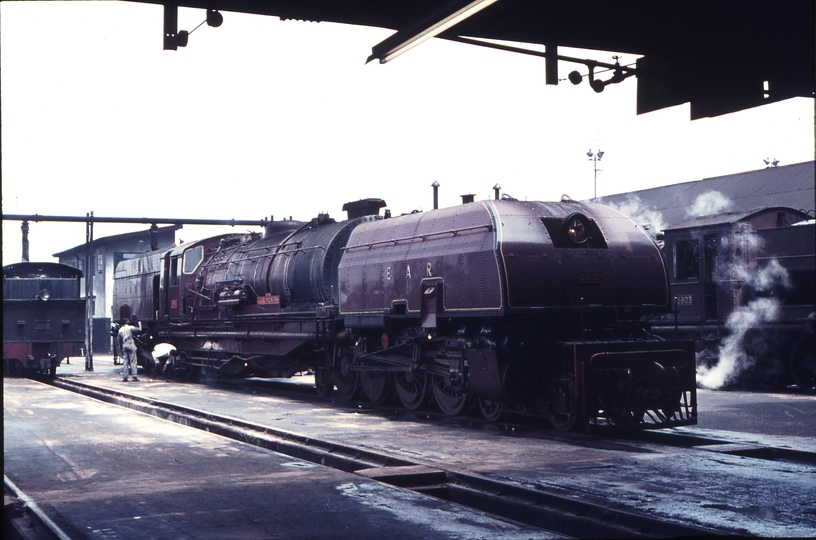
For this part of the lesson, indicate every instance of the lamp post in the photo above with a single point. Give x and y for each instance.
(595, 158)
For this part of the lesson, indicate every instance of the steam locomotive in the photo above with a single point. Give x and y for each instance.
(530, 307)
(43, 317)
(745, 292)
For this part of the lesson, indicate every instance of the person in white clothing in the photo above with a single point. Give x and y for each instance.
(127, 335)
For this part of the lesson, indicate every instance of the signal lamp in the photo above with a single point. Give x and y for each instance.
(214, 18)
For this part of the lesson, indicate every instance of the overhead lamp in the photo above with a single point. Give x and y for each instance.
(619, 74)
(595, 158)
(404, 41)
(173, 38)
(596, 84)
(214, 18)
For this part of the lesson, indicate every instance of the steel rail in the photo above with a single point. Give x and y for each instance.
(536, 506)
(46, 528)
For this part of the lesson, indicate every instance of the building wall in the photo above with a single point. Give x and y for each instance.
(107, 253)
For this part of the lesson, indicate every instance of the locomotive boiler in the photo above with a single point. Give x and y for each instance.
(43, 317)
(530, 307)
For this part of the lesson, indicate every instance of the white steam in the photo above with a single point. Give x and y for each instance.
(741, 348)
(708, 204)
(766, 279)
(647, 218)
(733, 356)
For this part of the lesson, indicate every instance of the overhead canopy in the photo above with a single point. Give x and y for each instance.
(720, 56)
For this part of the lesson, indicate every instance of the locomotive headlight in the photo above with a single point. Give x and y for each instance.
(576, 227)
(44, 295)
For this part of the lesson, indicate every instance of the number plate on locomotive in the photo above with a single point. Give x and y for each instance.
(685, 300)
(268, 300)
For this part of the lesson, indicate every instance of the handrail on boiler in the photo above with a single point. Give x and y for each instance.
(487, 226)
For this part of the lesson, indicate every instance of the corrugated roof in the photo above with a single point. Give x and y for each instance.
(120, 237)
(787, 186)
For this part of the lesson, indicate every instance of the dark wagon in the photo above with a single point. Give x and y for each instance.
(43, 317)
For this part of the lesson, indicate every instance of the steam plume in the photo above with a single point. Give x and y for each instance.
(740, 350)
(734, 356)
(709, 204)
(647, 218)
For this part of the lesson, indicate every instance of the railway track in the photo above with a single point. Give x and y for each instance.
(685, 437)
(533, 505)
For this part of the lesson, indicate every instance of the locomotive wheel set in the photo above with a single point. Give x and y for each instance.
(532, 307)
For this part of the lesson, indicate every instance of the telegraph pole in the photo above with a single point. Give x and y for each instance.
(89, 307)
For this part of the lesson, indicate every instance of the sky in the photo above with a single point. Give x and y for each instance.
(261, 117)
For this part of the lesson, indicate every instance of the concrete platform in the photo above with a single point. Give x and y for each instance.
(103, 472)
(692, 485)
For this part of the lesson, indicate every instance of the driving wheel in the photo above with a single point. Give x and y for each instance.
(412, 389)
(562, 404)
(491, 410)
(346, 381)
(378, 386)
(451, 397)
(323, 376)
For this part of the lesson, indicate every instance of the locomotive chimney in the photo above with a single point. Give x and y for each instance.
(435, 185)
(496, 190)
(154, 237)
(363, 207)
(467, 198)
(24, 228)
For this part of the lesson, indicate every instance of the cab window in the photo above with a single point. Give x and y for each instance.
(174, 276)
(686, 260)
(192, 258)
